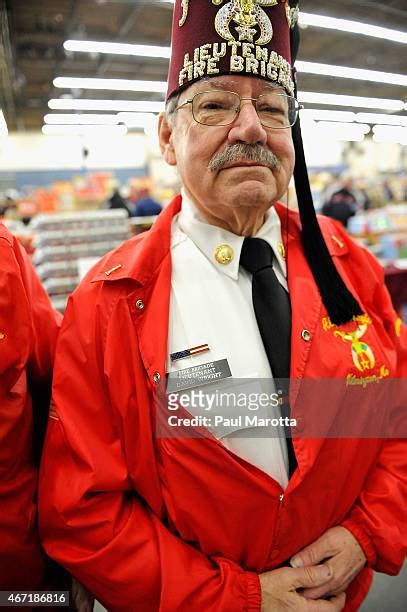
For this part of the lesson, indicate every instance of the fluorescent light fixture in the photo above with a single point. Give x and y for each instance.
(385, 133)
(363, 128)
(354, 27)
(136, 120)
(324, 130)
(85, 130)
(145, 106)
(327, 115)
(89, 46)
(75, 119)
(347, 72)
(312, 97)
(381, 119)
(110, 84)
(3, 125)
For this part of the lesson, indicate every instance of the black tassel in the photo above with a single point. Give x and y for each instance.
(338, 300)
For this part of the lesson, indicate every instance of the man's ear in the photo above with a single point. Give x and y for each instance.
(165, 137)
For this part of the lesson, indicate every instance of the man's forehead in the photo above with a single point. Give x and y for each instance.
(230, 83)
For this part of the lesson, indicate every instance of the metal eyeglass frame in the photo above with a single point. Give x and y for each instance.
(238, 109)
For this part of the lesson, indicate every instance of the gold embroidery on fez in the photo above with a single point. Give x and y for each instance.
(246, 14)
(362, 354)
(184, 6)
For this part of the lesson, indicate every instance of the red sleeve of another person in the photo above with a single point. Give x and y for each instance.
(28, 332)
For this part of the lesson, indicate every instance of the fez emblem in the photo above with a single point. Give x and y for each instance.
(248, 17)
(362, 354)
(184, 6)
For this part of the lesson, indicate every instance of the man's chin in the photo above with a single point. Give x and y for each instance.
(252, 194)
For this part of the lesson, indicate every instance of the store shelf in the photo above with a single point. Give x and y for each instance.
(61, 241)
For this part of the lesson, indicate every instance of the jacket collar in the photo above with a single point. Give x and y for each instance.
(130, 261)
(332, 231)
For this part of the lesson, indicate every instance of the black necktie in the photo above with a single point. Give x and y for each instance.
(272, 307)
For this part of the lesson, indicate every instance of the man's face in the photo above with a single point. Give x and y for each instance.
(238, 187)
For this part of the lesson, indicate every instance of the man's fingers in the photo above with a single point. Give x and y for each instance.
(327, 590)
(312, 576)
(334, 604)
(338, 601)
(314, 553)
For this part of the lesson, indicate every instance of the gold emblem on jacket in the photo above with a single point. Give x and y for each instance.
(362, 354)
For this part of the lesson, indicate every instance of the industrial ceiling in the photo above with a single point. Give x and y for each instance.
(32, 53)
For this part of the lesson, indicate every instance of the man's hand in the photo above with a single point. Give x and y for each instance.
(337, 549)
(279, 590)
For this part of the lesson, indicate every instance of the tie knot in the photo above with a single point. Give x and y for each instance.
(256, 254)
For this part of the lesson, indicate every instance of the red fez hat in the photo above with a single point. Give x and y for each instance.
(217, 37)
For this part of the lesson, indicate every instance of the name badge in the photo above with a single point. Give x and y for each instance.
(198, 375)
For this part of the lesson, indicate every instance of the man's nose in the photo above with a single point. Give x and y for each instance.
(247, 127)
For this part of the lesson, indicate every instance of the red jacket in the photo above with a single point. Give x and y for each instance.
(28, 332)
(180, 524)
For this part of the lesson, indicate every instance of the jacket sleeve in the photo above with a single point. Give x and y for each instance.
(93, 521)
(28, 330)
(44, 322)
(378, 518)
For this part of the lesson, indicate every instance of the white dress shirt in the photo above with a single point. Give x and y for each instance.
(212, 304)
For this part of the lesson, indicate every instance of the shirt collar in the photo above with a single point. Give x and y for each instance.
(208, 237)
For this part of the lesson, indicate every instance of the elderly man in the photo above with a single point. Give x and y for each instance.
(212, 519)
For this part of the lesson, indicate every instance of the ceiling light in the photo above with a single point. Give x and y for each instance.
(381, 118)
(3, 125)
(346, 72)
(75, 119)
(385, 133)
(354, 27)
(363, 128)
(136, 120)
(327, 115)
(106, 105)
(110, 84)
(312, 97)
(349, 132)
(85, 130)
(89, 46)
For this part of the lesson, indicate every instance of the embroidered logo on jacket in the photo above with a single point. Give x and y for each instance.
(362, 354)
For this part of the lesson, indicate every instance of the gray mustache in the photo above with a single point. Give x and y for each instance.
(244, 152)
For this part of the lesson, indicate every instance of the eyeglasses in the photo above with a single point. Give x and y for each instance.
(220, 107)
